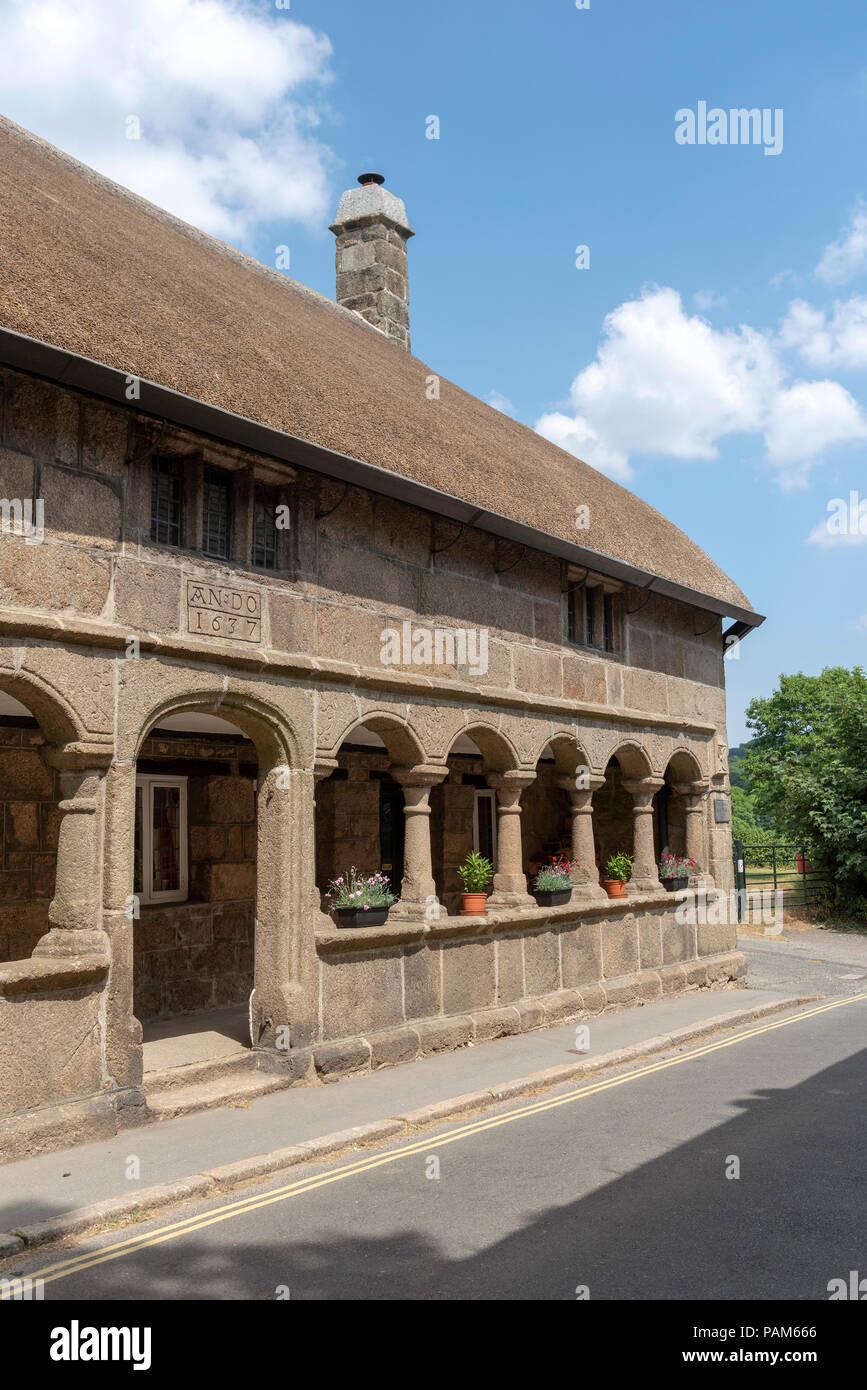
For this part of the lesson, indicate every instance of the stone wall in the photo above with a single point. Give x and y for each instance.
(439, 975)
(192, 956)
(29, 821)
(199, 954)
(358, 564)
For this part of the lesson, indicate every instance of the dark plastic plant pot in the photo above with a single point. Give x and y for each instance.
(357, 917)
(552, 897)
(675, 885)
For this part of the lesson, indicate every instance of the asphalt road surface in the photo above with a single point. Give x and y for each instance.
(624, 1187)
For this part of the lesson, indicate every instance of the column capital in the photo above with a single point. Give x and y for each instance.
(323, 767)
(690, 789)
(568, 784)
(423, 775)
(516, 780)
(643, 786)
(95, 757)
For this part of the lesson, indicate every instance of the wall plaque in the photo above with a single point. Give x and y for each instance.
(722, 811)
(224, 612)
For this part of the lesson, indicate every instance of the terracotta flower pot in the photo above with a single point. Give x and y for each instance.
(615, 887)
(473, 904)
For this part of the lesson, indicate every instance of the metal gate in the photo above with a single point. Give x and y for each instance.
(776, 868)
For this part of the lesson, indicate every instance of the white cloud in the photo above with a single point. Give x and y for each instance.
(845, 524)
(665, 382)
(828, 339)
(226, 139)
(845, 256)
(806, 419)
(501, 403)
(578, 437)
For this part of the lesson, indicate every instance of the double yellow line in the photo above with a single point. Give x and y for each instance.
(65, 1268)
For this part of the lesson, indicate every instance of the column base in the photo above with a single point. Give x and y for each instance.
(63, 941)
(507, 898)
(408, 910)
(639, 886)
(702, 881)
(588, 892)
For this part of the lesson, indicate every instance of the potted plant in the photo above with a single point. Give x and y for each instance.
(475, 874)
(618, 870)
(674, 871)
(360, 900)
(553, 883)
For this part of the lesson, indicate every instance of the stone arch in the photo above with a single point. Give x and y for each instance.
(402, 743)
(33, 786)
(546, 803)
(498, 752)
(569, 754)
(268, 729)
(632, 759)
(360, 818)
(284, 958)
(613, 818)
(57, 719)
(682, 771)
(683, 766)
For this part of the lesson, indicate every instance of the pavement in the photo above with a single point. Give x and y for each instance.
(72, 1192)
(730, 1169)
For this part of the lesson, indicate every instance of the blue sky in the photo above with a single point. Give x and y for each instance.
(714, 354)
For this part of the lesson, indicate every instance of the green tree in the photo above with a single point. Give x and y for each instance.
(736, 756)
(806, 769)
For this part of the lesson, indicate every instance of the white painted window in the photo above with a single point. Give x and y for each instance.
(161, 864)
(485, 825)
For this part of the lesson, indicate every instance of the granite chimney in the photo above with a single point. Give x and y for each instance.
(372, 268)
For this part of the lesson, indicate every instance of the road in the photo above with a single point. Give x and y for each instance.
(618, 1187)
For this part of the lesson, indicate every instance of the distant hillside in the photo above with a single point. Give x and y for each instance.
(735, 759)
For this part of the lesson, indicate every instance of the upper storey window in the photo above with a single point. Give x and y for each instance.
(217, 513)
(592, 616)
(225, 514)
(166, 501)
(265, 502)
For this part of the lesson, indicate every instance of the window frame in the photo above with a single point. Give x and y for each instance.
(593, 617)
(485, 794)
(147, 782)
(173, 465)
(273, 492)
(227, 481)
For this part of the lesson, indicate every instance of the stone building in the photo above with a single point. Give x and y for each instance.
(276, 600)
